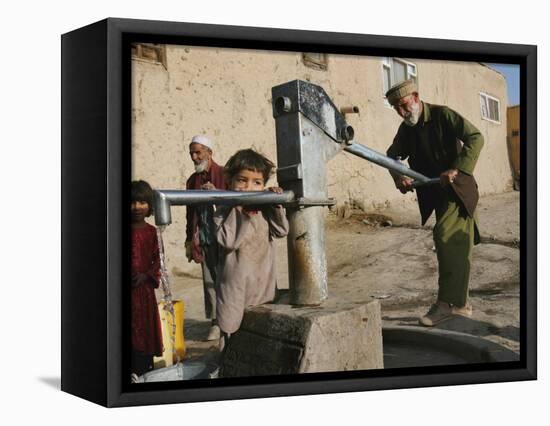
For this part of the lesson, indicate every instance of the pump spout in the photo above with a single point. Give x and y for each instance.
(164, 199)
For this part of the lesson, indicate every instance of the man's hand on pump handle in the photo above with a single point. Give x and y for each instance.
(405, 183)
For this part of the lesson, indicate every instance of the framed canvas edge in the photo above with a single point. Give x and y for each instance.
(83, 165)
(117, 28)
(317, 387)
(528, 249)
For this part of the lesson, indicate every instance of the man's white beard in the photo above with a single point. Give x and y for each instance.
(201, 167)
(412, 119)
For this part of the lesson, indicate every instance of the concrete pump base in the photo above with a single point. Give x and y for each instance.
(282, 339)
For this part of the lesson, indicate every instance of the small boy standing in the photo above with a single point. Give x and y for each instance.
(246, 267)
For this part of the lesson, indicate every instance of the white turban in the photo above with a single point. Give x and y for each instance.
(203, 140)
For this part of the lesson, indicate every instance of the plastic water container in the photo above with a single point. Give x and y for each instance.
(168, 357)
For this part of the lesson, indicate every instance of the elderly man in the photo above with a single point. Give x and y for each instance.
(200, 243)
(439, 142)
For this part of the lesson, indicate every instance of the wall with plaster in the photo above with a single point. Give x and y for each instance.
(226, 94)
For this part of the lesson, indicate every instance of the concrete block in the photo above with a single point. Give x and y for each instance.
(281, 339)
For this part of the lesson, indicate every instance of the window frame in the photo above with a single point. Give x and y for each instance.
(160, 50)
(484, 98)
(311, 62)
(388, 64)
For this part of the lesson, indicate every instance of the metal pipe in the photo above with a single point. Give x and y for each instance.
(307, 263)
(434, 181)
(164, 199)
(349, 110)
(388, 163)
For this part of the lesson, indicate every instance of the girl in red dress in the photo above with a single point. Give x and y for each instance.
(146, 328)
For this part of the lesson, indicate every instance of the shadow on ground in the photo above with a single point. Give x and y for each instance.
(197, 347)
(54, 382)
(196, 329)
(463, 325)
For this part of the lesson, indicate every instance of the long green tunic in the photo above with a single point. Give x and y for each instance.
(444, 140)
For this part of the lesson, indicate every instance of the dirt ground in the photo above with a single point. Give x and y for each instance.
(385, 254)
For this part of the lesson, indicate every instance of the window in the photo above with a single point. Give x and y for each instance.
(397, 70)
(154, 53)
(315, 60)
(490, 108)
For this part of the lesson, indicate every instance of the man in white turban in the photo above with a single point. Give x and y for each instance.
(200, 243)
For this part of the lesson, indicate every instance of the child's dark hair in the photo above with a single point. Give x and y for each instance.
(142, 191)
(248, 159)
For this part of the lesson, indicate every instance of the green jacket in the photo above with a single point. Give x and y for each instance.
(441, 140)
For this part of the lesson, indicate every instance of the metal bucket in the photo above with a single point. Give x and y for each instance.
(181, 371)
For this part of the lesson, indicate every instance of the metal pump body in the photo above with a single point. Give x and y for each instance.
(307, 126)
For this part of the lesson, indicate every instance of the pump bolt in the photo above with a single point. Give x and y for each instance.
(283, 104)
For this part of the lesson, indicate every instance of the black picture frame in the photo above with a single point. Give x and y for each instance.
(96, 117)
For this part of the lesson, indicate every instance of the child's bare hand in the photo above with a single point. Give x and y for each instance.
(275, 189)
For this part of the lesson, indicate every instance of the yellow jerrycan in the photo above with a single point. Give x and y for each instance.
(169, 339)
